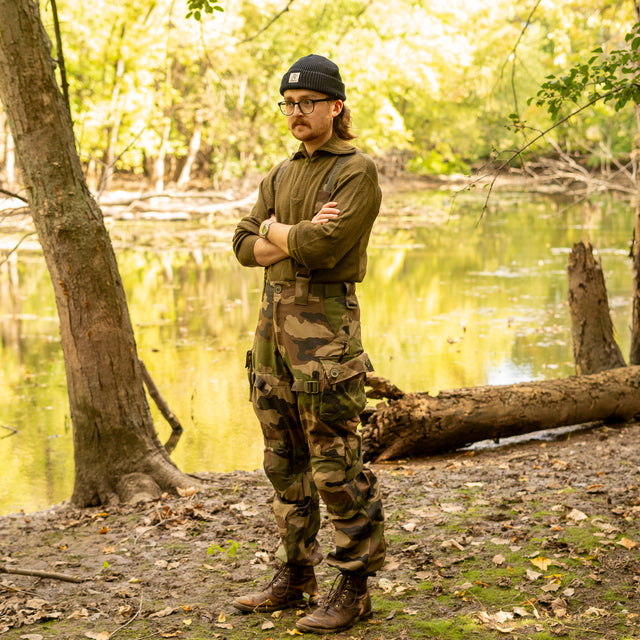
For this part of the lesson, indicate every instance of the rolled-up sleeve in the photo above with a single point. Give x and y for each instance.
(246, 233)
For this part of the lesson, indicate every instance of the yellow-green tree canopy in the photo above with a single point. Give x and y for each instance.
(433, 82)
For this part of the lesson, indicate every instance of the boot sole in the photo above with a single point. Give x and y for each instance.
(268, 608)
(305, 629)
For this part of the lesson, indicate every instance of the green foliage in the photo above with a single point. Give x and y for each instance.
(433, 83)
(231, 550)
(611, 78)
(439, 161)
(196, 7)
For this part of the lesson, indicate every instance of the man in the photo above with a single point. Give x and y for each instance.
(310, 228)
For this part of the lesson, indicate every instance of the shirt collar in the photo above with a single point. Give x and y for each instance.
(334, 146)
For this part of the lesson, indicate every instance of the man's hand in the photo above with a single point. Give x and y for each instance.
(269, 250)
(328, 212)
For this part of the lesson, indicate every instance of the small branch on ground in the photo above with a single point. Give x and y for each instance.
(52, 575)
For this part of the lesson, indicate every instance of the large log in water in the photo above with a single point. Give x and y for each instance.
(417, 424)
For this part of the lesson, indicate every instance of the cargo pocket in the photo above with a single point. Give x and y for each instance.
(342, 395)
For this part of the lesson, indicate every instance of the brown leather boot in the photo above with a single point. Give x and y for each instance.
(347, 604)
(286, 590)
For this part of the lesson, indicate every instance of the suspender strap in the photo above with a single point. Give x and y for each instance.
(281, 170)
(303, 275)
(325, 193)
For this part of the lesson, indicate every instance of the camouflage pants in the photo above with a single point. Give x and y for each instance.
(307, 371)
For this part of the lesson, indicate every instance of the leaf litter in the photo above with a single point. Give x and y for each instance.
(517, 540)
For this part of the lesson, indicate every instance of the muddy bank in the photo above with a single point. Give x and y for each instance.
(536, 539)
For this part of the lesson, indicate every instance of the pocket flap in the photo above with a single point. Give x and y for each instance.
(336, 372)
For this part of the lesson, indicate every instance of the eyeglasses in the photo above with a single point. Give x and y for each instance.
(306, 106)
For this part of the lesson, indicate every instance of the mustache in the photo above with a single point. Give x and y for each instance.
(297, 121)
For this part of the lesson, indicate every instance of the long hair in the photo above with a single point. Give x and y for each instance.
(342, 124)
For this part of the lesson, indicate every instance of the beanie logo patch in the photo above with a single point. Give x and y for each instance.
(294, 77)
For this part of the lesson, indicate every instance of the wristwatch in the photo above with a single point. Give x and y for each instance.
(264, 227)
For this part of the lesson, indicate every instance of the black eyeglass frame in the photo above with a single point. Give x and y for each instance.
(284, 103)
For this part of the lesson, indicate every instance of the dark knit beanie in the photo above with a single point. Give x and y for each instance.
(316, 73)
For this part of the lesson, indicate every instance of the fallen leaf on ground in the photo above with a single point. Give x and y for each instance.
(386, 585)
(499, 559)
(576, 515)
(448, 544)
(541, 562)
(163, 613)
(627, 544)
(94, 635)
(78, 613)
(559, 607)
(554, 585)
(497, 620)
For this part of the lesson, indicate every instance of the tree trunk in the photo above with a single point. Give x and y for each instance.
(634, 352)
(158, 167)
(112, 129)
(113, 430)
(194, 147)
(594, 347)
(420, 424)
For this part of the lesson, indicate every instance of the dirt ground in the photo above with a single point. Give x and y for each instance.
(537, 539)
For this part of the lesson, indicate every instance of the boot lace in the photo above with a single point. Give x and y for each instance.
(343, 593)
(281, 580)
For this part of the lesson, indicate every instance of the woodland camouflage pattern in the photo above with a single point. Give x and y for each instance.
(307, 370)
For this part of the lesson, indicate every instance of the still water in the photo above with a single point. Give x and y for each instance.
(449, 301)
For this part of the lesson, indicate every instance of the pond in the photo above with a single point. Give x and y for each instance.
(449, 301)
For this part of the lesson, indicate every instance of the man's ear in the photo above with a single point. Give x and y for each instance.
(337, 108)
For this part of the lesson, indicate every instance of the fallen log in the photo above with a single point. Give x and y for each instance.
(420, 424)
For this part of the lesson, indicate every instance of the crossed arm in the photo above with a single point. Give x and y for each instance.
(268, 251)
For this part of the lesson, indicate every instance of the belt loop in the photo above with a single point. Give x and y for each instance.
(302, 288)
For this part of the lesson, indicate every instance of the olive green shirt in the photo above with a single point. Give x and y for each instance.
(334, 251)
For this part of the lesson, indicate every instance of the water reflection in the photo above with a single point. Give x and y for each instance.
(444, 306)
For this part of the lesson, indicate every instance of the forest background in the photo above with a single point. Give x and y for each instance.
(432, 84)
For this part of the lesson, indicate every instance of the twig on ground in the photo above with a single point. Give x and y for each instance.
(40, 574)
(128, 622)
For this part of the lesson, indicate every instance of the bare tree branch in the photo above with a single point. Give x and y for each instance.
(13, 195)
(24, 237)
(276, 17)
(63, 70)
